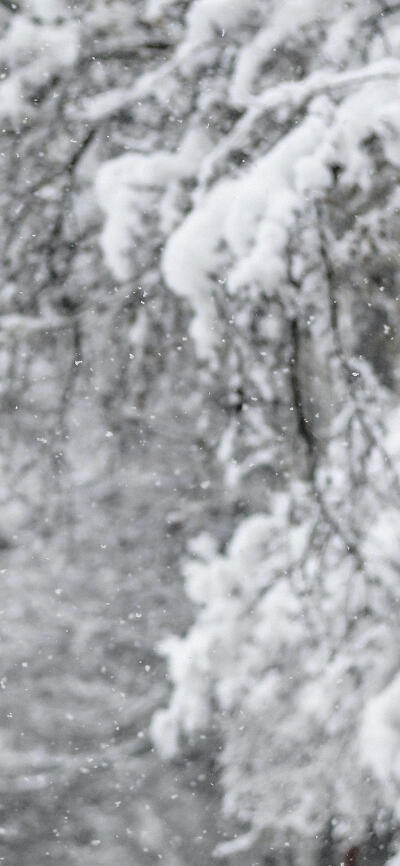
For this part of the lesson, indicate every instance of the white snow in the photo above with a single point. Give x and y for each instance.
(205, 16)
(380, 736)
(120, 190)
(33, 52)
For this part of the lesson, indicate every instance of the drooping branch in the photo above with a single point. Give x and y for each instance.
(304, 425)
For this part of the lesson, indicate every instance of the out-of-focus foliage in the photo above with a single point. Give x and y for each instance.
(102, 469)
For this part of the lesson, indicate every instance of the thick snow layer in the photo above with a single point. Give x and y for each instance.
(247, 219)
(120, 187)
(246, 222)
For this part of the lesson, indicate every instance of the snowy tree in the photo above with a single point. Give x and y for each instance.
(288, 257)
(199, 240)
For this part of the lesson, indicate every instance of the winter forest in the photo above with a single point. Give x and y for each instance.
(200, 432)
